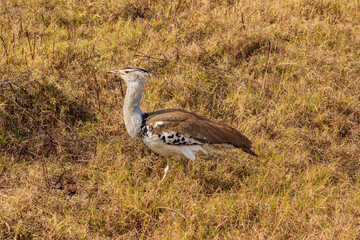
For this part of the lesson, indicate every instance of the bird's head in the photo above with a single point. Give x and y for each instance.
(132, 74)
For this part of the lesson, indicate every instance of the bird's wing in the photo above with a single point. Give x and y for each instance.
(194, 128)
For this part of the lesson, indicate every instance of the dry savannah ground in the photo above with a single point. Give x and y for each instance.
(285, 73)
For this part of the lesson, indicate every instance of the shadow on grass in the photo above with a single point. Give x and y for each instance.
(217, 180)
(38, 119)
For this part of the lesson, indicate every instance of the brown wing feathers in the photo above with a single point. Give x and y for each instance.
(197, 127)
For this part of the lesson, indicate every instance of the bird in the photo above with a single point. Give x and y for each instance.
(174, 133)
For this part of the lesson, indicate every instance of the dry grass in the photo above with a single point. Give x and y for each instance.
(286, 73)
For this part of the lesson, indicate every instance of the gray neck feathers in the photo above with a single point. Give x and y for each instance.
(131, 109)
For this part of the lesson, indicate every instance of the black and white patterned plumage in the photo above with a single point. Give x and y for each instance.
(170, 138)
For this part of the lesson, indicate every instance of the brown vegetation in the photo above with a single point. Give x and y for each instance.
(285, 73)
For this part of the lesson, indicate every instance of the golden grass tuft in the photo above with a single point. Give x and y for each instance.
(284, 73)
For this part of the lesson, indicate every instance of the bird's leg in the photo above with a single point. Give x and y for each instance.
(184, 167)
(168, 168)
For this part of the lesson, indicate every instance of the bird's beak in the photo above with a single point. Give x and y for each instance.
(115, 72)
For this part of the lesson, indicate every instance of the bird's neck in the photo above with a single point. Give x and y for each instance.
(131, 110)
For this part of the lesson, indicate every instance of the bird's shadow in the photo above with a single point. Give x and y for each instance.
(214, 178)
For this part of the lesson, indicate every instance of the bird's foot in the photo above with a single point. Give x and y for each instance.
(167, 169)
(185, 168)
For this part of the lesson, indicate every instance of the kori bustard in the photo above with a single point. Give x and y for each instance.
(174, 132)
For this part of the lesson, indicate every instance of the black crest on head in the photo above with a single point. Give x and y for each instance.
(136, 68)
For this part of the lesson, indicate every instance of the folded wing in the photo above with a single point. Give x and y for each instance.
(200, 130)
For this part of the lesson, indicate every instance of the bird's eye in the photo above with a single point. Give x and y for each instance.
(127, 72)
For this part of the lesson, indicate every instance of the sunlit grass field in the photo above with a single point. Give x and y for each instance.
(284, 73)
